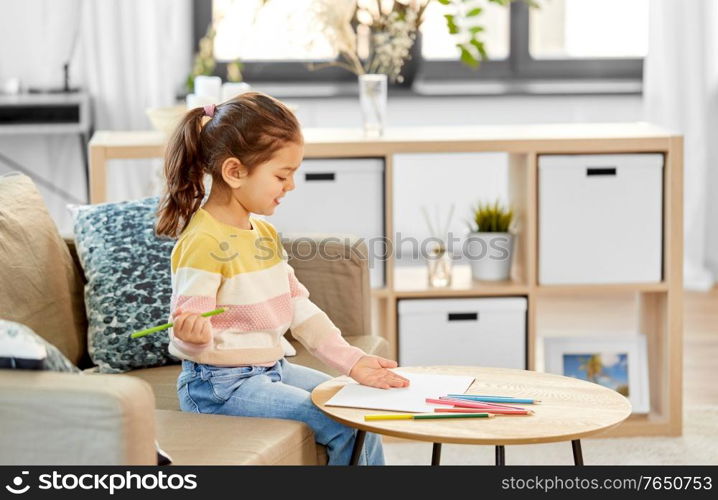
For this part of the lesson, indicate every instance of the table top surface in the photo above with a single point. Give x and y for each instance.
(569, 409)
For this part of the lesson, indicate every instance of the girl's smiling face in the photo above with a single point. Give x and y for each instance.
(261, 191)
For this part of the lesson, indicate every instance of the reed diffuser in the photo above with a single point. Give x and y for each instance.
(438, 259)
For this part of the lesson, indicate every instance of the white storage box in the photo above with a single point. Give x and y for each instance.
(600, 218)
(470, 332)
(338, 196)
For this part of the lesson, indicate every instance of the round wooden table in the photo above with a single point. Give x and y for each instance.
(570, 409)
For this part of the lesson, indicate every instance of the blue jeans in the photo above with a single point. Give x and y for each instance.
(279, 391)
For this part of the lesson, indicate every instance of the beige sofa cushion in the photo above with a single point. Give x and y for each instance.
(41, 286)
(194, 439)
(163, 380)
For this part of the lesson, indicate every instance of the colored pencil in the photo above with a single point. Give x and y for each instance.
(462, 401)
(495, 399)
(468, 404)
(159, 328)
(425, 416)
(493, 411)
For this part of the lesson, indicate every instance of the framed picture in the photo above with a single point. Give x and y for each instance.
(617, 362)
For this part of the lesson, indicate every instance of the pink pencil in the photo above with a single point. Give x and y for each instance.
(469, 404)
(497, 411)
(494, 405)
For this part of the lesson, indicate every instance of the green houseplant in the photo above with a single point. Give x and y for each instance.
(464, 22)
(490, 241)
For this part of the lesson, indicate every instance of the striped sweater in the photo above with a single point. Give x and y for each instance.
(246, 271)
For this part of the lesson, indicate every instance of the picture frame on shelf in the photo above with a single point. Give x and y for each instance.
(618, 362)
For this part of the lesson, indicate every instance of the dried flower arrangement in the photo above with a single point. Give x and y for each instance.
(370, 38)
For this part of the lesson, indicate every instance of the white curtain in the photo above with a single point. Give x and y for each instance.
(134, 54)
(129, 55)
(681, 93)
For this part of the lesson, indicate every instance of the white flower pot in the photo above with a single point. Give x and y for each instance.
(490, 255)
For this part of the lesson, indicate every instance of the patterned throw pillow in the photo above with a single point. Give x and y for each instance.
(129, 287)
(22, 348)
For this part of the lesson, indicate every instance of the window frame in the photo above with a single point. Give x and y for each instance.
(519, 66)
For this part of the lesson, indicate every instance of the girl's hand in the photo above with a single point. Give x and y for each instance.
(372, 371)
(191, 327)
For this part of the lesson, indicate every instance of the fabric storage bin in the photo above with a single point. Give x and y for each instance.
(338, 196)
(473, 332)
(600, 218)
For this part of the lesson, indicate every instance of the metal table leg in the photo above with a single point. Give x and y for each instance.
(500, 455)
(436, 454)
(577, 455)
(358, 443)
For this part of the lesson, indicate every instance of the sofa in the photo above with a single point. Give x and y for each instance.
(117, 419)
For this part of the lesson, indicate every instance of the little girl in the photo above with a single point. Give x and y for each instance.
(233, 363)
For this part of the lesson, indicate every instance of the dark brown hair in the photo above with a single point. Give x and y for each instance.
(251, 127)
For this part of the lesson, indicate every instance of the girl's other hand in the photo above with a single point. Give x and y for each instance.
(373, 371)
(191, 327)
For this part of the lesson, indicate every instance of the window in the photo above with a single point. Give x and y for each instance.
(252, 34)
(563, 40)
(576, 28)
(437, 43)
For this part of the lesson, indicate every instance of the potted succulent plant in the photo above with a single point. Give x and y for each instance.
(490, 242)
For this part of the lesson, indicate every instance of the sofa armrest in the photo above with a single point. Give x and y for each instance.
(55, 418)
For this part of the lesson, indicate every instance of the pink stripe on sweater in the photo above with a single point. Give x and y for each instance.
(270, 314)
(338, 353)
(193, 304)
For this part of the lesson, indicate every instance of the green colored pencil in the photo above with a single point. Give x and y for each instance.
(159, 328)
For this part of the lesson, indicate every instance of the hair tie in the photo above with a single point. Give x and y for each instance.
(209, 110)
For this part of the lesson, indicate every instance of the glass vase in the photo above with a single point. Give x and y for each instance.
(372, 98)
(439, 266)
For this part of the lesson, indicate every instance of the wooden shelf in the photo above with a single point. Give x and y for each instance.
(601, 288)
(412, 281)
(380, 292)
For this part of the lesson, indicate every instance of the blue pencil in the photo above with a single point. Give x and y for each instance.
(494, 399)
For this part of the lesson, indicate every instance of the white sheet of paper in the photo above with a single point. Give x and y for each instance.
(408, 399)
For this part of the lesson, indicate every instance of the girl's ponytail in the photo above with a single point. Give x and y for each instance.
(184, 172)
(251, 127)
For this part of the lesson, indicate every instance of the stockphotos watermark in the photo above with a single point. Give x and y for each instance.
(378, 249)
(110, 483)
